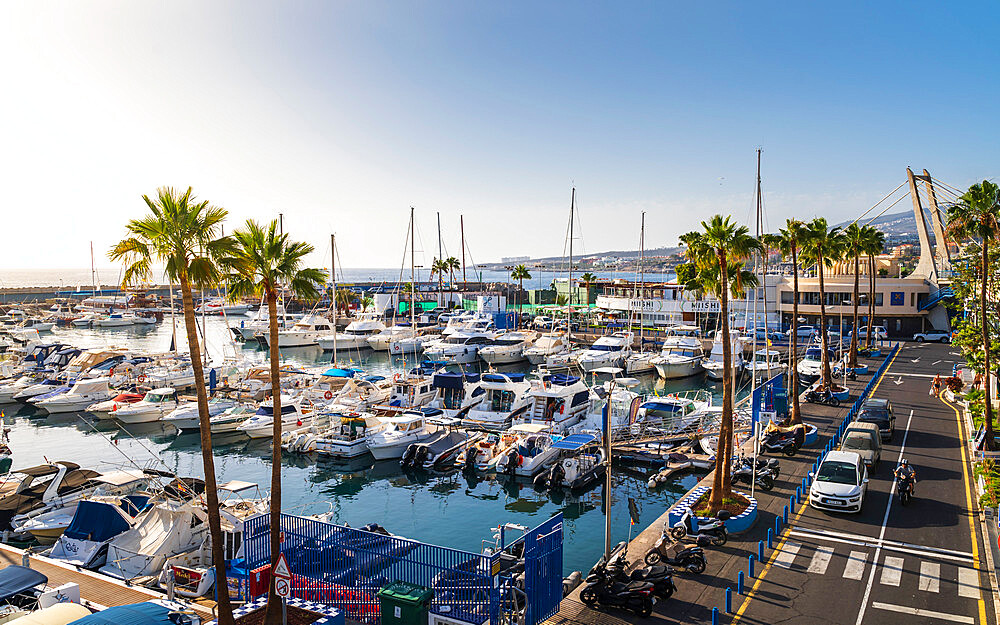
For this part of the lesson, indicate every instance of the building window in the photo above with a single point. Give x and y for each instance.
(786, 297)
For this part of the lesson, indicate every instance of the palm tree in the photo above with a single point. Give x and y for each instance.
(184, 235)
(874, 244)
(823, 247)
(365, 303)
(587, 279)
(345, 297)
(855, 239)
(453, 265)
(716, 252)
(439, 267)
(789, 241)
(977, 214)
(520, 273)
(261, 263)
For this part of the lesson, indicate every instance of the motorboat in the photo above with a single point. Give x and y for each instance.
(220, 307)
(186, 416)
(172, 372)
(37, 323)
(505, 399)
(469, 322)
(528, 450)
(557, 401)
(456, 392)
(460, 347)
(82, 394)
(261, 424)
(106, 409)
(607, 351)
(157, 403)
(349, 438)
(400, 432)
(381, 340)
(674, 413)
(113, 320)
(483, 454)
(810, 367)
(713, 364)
(546, 346)
(43, 486)
(361, 394)
(356, 334)
(440, 450)
(576, 467)
(507, 347)
(247, 329)
(640, 362)
(230, 420)
(411, 390)
(680, 357)
(46, 524)
(96, 521)
(413, 344)
(766, 364)
(48, 386)
(306, 331)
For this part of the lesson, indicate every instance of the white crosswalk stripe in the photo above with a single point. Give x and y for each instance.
(820, 560)
(968, 583)
(892, 571)
(855, 567)
(787, 554)
(930, 576)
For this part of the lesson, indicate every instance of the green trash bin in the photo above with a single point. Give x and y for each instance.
(402, 603)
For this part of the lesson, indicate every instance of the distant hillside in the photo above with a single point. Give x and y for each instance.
(659, 251)
(895, 225)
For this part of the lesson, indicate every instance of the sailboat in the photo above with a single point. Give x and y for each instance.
(640, 361)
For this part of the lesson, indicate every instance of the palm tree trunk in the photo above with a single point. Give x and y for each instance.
(207, 459)
(871, 300)
(520, 301)
(988, 402)
(722, 479)
(854, 325)
(796, 414)
(273, 611)
(827, 375)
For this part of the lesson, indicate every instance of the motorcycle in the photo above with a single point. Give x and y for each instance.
(851, 374)
(680, 555)
(604, 591)
(661, 577)
(826, 398)
(904, 484)
(784, 442)
(714, 529)
(744, 471)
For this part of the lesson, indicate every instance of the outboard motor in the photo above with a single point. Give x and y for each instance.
(557, 475)
(420, 456)
(512, 462)
(407, 459)
(541, 481)
(470, 458)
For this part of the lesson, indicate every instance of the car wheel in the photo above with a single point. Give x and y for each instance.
(945, 340)
(919, 339)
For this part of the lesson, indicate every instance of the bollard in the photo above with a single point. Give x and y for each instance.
(715, 616)
(777, 525)
(760, 550)
(784, 516)
(750, 565)
(729, 600)
(770, 538)
(791, 503)
(798, 494)
(739, 583)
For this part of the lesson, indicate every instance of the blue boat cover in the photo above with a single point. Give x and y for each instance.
(496, 377)
(147, 613)
(95, 521)
(17, 579)
(562, 379)
(574, 441)
(337, 372)
(374, 378)
(447, 379)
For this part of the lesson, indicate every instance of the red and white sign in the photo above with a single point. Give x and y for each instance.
(282, 587)
(281, 568)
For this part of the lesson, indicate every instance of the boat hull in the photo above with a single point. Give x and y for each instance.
(674, 370)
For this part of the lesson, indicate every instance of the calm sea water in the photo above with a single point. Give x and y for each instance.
(451, 510)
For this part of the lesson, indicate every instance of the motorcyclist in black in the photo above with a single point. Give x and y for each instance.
(905, 470)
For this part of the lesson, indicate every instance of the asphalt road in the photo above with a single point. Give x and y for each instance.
(922, 563)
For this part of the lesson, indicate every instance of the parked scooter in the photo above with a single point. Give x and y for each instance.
(745, 472)
(826, 397)
(604, 591)
(689, 528)
(784, 442)
(661, 577)
(683, 556)
(904, 484)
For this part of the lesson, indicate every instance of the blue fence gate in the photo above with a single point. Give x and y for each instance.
(543, 565)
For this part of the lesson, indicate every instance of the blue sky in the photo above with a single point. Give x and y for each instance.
(342, 115)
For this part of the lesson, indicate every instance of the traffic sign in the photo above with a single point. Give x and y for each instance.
(281, 568)
(282, 588)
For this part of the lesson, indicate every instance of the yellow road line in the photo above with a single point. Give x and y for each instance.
(802, 508)
(968, 502)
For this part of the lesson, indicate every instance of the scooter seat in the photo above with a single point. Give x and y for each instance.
(657, 570)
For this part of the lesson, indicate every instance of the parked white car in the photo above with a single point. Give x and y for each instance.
(840, 483)
(940, 336)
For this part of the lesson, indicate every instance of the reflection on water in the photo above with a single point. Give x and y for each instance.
(455, 510)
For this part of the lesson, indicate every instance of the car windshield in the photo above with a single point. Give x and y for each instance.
(838, 473)
(873, 414)
(858, 442)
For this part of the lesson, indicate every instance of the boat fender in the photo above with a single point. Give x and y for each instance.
(111, 371)
(141, 379)
(328, 395)
(520, 460)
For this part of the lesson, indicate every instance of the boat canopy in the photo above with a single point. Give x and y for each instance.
(90, 385)
(55, 614)
(562, 379)
(574, 442)
(15, 580)
(120, 478)
(338, 372)
(96, 521)
(235, 486)
(503, 377)
(530, 428)
(147, 613)
(448, 379)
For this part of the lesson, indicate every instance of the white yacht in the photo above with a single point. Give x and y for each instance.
(680, 357)
(460, 347)
(95, 523)
(230, 420)
(113, 320)
(411, 390)
(261, 424)
(607, 351)
(399, 433)
(186, 417)
(381, 340)
(545, 346)
(557, 401)
(766, 364)
(810, 368)
(82, 394)
(413, 344)
(349, 437)
(247, 328)
(156, 404)
(306, 331)
(506, 399)
(529, 451)
(356, 334)
(106, 409)
(164, 530)
(456, 392)
(468, 322)
(507, 347)
(713, 364)
(676, 412)
(220, 307)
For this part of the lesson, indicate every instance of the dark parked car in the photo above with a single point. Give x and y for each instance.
(879, 412)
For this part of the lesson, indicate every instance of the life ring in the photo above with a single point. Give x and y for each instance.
(141, 379)
(328, 395)
(520, 460)
(398, 377)
(111, 371)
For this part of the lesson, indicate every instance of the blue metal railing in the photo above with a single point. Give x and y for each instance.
(936, 297)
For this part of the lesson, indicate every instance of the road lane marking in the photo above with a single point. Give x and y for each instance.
(968, 502)
(886, 545)
(902, 609)
(855, 567)
(968, 583)
(885, 523)
(788, 553)
(892, 571)
(820, 560)
(930, 577)
(871, 541)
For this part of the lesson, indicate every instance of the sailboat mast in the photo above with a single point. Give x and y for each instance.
(413, 280)
(93, 273)
(763, 258)
(461, 225)
(569, 320)
(440, 257)
(642, 271)
(333, 290)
